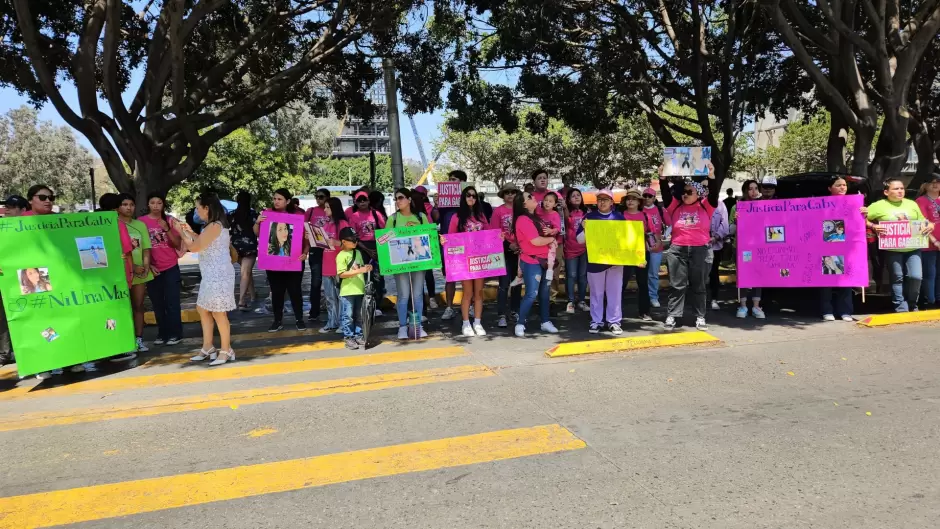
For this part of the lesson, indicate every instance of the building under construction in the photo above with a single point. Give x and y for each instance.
(358, 138)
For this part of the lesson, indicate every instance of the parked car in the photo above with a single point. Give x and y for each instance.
(816, 184)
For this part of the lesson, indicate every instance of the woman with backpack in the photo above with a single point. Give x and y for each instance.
(409, 285)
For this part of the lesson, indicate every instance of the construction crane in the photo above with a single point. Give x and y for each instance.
(414, 128)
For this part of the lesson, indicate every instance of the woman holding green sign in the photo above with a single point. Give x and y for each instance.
(409, 285)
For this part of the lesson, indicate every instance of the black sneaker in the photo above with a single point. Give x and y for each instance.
(4, 360)
(360, 341)
(276, 326)
(301, 326)
(351, 343)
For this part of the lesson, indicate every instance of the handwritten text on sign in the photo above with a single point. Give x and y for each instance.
(902, 235)
(474, 255)
(806, 242)
(448, 194)
(615, 242)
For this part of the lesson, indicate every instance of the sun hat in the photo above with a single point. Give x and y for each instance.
(507, 187)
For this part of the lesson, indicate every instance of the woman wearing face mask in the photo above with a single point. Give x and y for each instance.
(750, 190)
(904, 263)
(533, 252)
(575, 252)
(686, 257)
(929, 203)
(164, 288)
(605, 280)
(282, 282)
(470, 218)
(509, 297)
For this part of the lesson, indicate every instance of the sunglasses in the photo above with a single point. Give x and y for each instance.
(44, 197)
(362, 199)
(471, 195)
(688, 191)
(509, 192)
(401, 197)
(649, 196)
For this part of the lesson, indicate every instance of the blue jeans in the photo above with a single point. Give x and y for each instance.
(930, 289)
(410, 288)
(164, 292)
(836, 301)
(331, 294)
(351, 315)
(535, 285)
(576, 270)
(906, 276)
(654, 261)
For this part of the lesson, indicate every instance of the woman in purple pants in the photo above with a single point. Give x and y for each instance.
(604, 279)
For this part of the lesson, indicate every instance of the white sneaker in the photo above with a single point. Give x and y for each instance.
(549, 327)
(758, 313)
(141, 348)
(403, 332)
(669, 324)
(467, 329)
(90, 367)
(584, 307)
(847, 317)
(742, 312)
(78, 368)
(45, 375)
(422, 333)
(700, 324)
(595, 328)
(655, 303)
(570, 309)
(449, 314)
(378, 313)
(520, 331)
(432, 304)
(829, 317)
(478, 328)
(502, 323)
(715, 305)
(615, 329)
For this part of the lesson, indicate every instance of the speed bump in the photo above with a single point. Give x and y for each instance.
(898, 318)
(628, 344)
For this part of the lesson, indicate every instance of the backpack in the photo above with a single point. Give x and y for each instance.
(395, 218)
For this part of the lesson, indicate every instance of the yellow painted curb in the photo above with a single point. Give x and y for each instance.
(628, 344)
(187, 315)
(899, 318)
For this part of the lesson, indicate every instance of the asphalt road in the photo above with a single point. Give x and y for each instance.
(786, 423)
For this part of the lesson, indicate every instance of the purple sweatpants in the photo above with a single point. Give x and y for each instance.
(609, 283)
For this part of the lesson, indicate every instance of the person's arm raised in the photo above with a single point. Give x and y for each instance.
(205, 238)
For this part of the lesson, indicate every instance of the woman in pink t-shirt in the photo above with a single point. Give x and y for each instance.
(575, 252)
(164, 288)
(533, 242)
(690, 219)
(470, 218)
(502, 221)
(333, 208)
(929, 202)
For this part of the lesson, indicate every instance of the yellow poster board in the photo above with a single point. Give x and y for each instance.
(615, 242)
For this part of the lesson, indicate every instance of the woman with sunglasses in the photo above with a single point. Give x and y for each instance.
(686, 257)
(419, 196)
(533, 243)
(470, 218)
(502, 220)
(409, 285)
(288, 282)
(750, 190)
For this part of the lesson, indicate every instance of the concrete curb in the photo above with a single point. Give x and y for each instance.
(899, 318)
(616, 345)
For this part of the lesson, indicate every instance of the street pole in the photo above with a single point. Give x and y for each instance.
(394, 129)
(91, 173)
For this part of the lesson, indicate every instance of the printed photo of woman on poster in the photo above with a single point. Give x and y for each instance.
(280, 239)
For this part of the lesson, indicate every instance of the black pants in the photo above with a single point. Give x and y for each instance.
(316, 281)
(642, 287)
(377, 276)
(6, 346)
(714, 280)
(506, 295)
(286, 282)
(687, 270)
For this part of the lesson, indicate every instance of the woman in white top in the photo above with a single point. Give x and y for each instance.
(217, 287)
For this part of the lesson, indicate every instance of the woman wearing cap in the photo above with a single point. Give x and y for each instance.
(288, 282)
(605, 280)
(470, 218)
(750, 190)
(929, 202)
(533, 252)
(409, 285)
(509, 297)
(575, 252)
(366, 220)
(686, 257)
(656, 215)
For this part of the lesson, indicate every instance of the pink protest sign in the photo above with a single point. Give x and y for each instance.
(280, 242)
(474, 255)
(448, 194)
(803, 242)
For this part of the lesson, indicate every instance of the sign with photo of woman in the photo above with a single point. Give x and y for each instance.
(280, 242)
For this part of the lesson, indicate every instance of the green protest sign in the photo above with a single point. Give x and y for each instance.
(408, 249)
(64, 289)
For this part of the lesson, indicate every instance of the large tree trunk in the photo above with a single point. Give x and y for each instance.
(890, 153)
(835, 148)
(923, 145)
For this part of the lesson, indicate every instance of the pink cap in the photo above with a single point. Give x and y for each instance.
(361, 194)
(421, 189)
(607, 192)
(649, 191)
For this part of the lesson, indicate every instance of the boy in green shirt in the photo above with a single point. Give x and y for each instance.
(352, 288)
(904, 264)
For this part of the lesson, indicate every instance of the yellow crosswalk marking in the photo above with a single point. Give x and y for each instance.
(240, 371)
(98, 502)
(244, 397)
